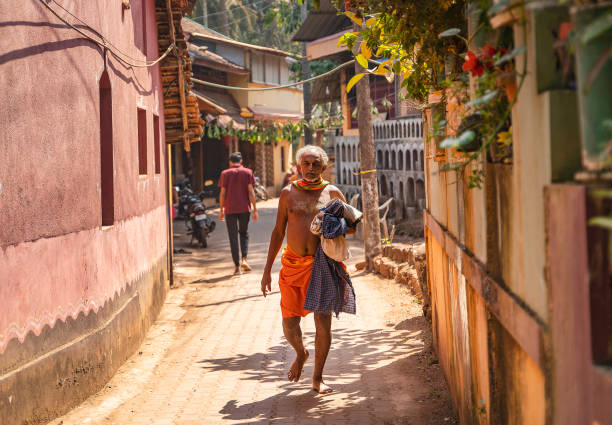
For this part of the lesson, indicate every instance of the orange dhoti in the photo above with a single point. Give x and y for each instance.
(293, 282)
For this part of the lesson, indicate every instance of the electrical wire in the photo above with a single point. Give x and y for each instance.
(105, 43)
(233, 22)
(248, 6)
(284, 86)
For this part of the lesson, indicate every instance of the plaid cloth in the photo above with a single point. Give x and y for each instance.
(330, 287)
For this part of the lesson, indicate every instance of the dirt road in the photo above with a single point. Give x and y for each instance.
(217, 354)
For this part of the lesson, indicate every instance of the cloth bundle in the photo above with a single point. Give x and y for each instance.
(332, 223)
(330, 287)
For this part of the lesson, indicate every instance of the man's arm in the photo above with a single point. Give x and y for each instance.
(221, 204)
(276, 241)
(253, 202)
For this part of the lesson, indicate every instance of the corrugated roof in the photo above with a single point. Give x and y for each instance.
(223, 103)
(200, 31)
(191, 26)
(201, 55)
(321, 23)
(220, 98)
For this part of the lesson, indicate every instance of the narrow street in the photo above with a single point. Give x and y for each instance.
(217, 354)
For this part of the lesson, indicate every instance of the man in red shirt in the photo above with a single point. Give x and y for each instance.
(235, 202)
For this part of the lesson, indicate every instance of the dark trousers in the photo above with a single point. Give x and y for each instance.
(238, 223)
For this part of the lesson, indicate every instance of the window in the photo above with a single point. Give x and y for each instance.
(257, 68)
(156, 145)
(272, 66)
(142, 141)
(106, 151)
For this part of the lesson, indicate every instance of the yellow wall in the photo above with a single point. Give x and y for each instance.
(290, 100)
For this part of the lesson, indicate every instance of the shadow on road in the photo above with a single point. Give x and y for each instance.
(383, 372)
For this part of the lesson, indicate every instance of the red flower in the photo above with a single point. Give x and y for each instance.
(488, 52)
(473, 64)
(564, 30)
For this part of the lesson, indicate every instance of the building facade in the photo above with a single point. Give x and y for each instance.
(84, 226)
(399, 164)
(520, 280)
(222, 60)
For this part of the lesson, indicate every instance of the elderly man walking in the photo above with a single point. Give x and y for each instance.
(299, 203)
(235, 202)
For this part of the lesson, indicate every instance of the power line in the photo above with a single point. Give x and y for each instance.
(284, 86)
(107, 45)
(228, 10)
(233, 22)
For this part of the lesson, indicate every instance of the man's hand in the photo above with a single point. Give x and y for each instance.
(266, 283)
(221, 215)
(255, 215)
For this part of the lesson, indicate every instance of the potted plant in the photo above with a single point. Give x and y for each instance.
(593, 47)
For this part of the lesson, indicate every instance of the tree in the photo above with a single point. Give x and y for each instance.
(369, 180)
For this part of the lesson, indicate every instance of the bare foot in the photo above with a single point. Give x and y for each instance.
(297, 367)
(321, 387)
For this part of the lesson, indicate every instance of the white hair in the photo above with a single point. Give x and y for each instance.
(312, 150)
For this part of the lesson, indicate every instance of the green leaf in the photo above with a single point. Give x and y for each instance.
(508, 56)
(362, 60)
(598, 27)
(487, 98)
(605, 222)
(354, 81)
(449, 32)
(454, 142)
(498, 7)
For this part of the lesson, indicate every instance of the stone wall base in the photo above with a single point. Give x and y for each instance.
(406, 264)
(49, 374)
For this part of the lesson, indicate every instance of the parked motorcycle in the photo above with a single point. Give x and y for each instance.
(211, 190)
(200, 224)
(185, 192)
(260, 192)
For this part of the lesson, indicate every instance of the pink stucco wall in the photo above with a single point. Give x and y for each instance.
(55, 258)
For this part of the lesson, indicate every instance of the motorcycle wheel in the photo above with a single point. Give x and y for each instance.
(203, 241)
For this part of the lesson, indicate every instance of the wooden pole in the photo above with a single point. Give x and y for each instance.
(181, 76)
(306, 74)
(369, 180)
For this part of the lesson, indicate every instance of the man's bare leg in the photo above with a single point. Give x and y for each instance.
(293, 334)
(322, 343)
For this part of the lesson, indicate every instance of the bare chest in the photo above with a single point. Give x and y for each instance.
(307, 203)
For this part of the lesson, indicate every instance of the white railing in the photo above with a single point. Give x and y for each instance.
(403, 128)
